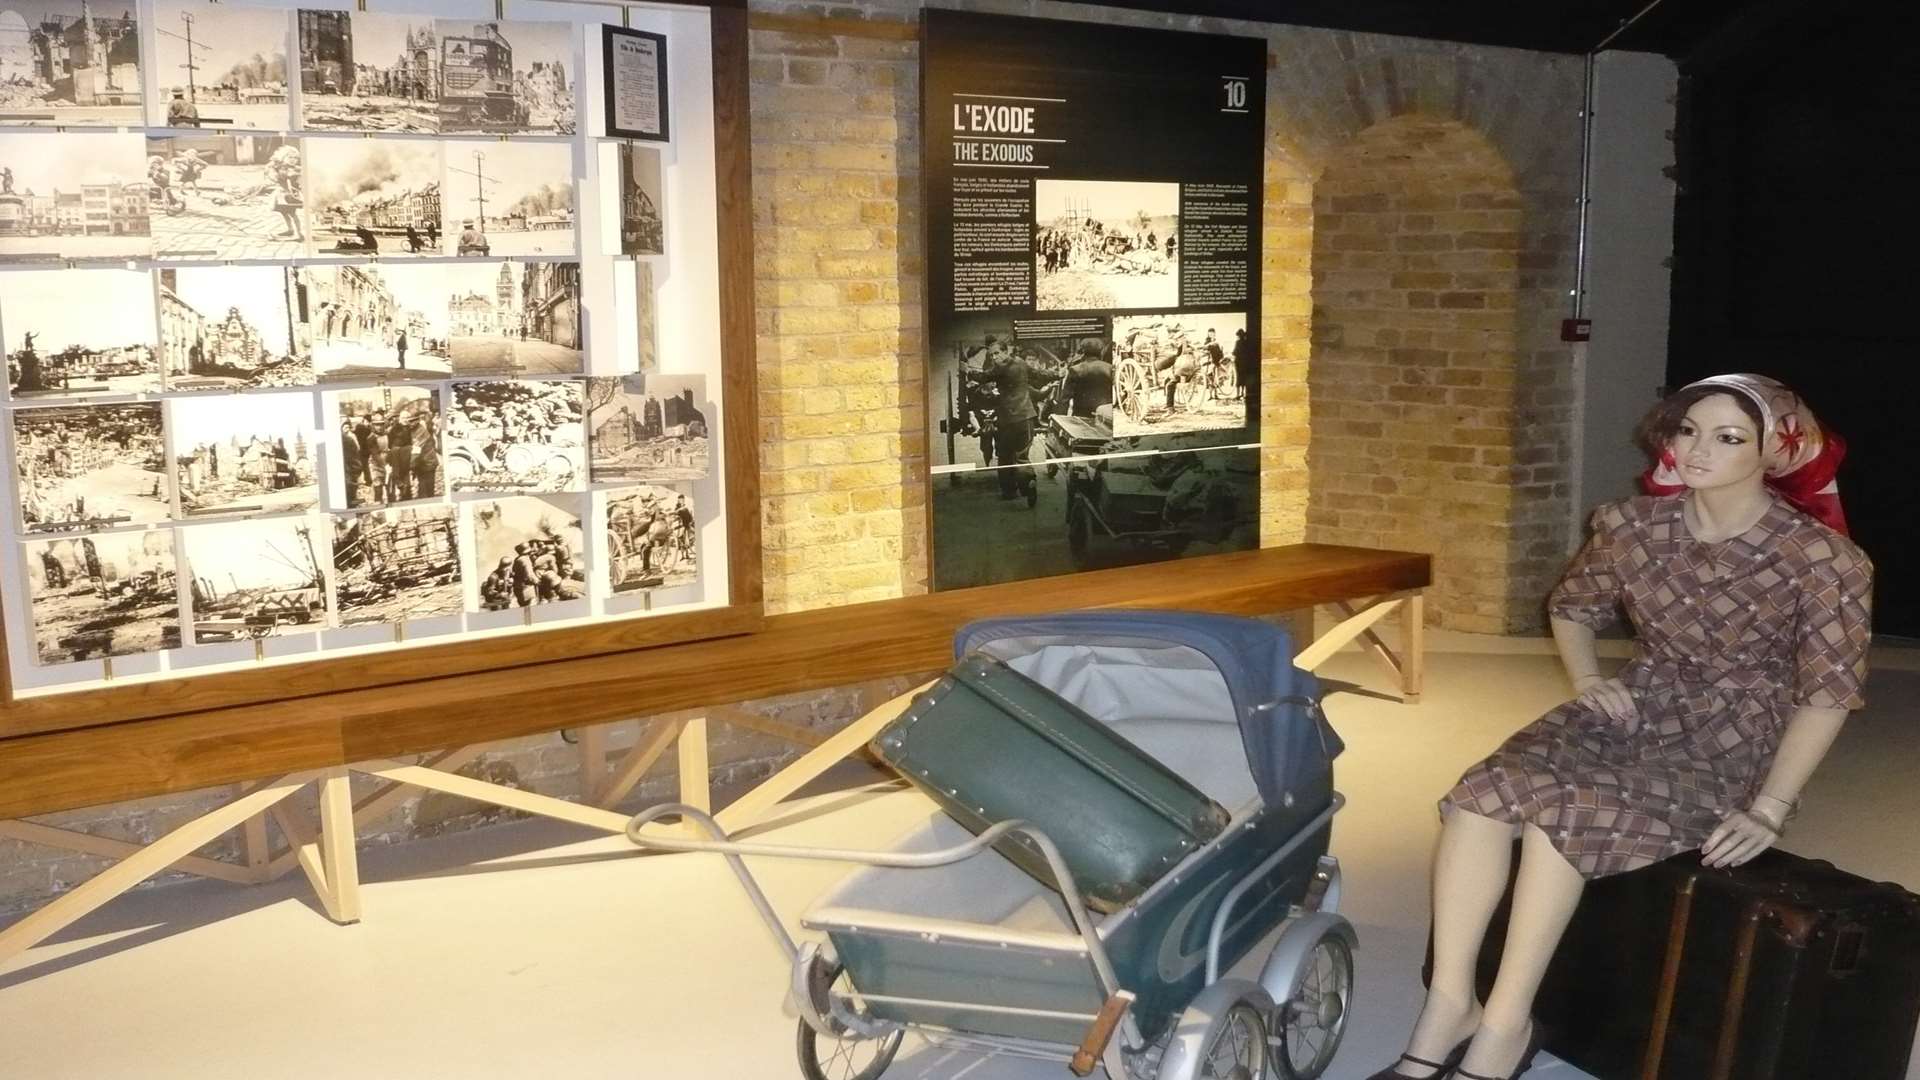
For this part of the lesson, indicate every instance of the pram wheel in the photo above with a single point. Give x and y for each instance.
(846, 1055)
(1307, 1026)
(1238, 1050)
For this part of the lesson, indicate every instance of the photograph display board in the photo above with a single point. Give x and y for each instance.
(300, 370)
(1093, 201)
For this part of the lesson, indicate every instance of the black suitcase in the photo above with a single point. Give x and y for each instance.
(1783, 969)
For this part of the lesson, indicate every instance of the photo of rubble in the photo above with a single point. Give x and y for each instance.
(219, 198)
(254, 579)
(504, 77)
(69, 63)
(243, 455)
(642, 226)
(648, 427)
(220, 66)
(60, 349)
(389, 444)
(373, 197)
(509, 198)
(72, 197)
(231, 328)
(85, 467)
(516, 435)
(393, 565)
(651, 538)
(361, 71)
(528, 550)
(114, 594)
(1102, 244)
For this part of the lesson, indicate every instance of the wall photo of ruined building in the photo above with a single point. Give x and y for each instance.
(69, 63)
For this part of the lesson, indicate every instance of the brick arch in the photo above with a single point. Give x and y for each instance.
(1418, 228)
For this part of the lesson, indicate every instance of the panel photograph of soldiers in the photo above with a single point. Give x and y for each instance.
(361, 71)
(254, 579)
(1178, 372)
(651, 538)
(509, 199)
(368, 322)
(642, 201)
(528, 550)
(243, 455)
(502, 77)
(57, 348)
(113, 594)
(517, 435)
(374, 197)
(73, 197)
(648, 427)
(69, 63)
(1101, 244)
(86, 467)
(389, 439)
(232, 328)
(220, 66)
(1008, 392)
(393, 565)
(218, 198)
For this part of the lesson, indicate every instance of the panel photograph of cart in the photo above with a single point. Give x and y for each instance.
(393, 565)
(108, 595)
(501, 77)
(389, 445)
(648, 427)
(1175, 372)
(68, 63)
(56, 348)
(85, 467)
(527, 551)
(509, 199)
(254, 579)
(231, 328)
(73, 197)
(1102, 244)
(374, 197)
(517, 435)
(651, 538)
(220, 66)
(361, 71)
(243, 455)
(219, 198)
(1009, 391)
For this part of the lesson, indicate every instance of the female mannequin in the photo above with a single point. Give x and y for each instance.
(1752, 633)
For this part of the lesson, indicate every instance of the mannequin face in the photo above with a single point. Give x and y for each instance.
(1717, 446)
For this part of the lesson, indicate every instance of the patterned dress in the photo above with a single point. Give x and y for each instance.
(1733, 637)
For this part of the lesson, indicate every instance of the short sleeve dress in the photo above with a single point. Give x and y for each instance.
(1733, 636)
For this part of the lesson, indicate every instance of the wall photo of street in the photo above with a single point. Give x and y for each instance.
(517, 435)
(1103, 244)
(59, 349)
(69, 63)
(243, 455)
(642, 201)
(465, 319)
(73, 197)
(361, 71)
(393, 565)
(389, 446)
(506, 77)
(232, 328)
(509, 199)
(254, 579)
(221, 198)
(220, 66)
(80, 468)
(648, 427)
(527, 551)
(370, 322)
(114, 594)
(652, 540)
(374, 197)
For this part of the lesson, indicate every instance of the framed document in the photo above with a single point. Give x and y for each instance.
(636, 74)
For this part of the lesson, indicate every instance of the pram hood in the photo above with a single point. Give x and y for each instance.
(1289, 746)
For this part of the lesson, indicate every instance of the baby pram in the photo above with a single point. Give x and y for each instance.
(954, 935)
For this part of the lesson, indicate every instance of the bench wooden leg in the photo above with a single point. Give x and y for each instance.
(1408, 670)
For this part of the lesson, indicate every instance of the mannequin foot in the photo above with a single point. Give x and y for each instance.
(1500, 1053)
(1440, 1040)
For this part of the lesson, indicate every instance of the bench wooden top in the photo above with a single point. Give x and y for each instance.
(792, 653)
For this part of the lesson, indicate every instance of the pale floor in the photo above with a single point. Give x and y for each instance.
(524, 951)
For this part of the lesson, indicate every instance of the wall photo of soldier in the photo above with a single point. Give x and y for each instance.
(370, 321)
(250, 454)
(517, 435)
(1008, 392)
(509, 199)
(57, 348)
(389, 446)
(220, 66)
(1105, 244)
(527, 551)
(648, 427)
(218, 198)
(652, 538)
(390, 566)
(254, 579)
(232, 328)
(69, 63)
(86, 467)
(112, 594)
(361, 71)
(1178, 372)
(374, 197)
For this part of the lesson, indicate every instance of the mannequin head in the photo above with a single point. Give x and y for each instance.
(1711, 437)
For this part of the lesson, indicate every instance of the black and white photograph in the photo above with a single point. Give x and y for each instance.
(249, 454)
(642, 205)
(651, 538)
(1101, 244)
(517, 435)
(509, 318)
(57, 348)
(374, 197)
(646, 318)
(509, 198)
(1010, 391)
(73, 197)
(220, 66)
(254, 579)
(86, 467)
(231, 328)
(634, 65)
(69, 63)
(366, 322)
(115, 594)
(502, 77)
(648, 427)
(1176, 373)
(389, 445)
(393, 565)
(223, 198)
(528, 550)
(361, 71)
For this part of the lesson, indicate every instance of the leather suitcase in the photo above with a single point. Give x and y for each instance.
(1783, 969)
(988, 744)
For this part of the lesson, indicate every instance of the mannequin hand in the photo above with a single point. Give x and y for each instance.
(1611, 696)
(1741, 836)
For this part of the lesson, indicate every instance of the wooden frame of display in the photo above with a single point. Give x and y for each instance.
(741, 613)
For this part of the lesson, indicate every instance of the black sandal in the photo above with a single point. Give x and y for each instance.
(1526, 1058)
(1441, 1068)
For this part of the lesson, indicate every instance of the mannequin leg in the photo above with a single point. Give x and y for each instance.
(1544, 895)
(1469, 876)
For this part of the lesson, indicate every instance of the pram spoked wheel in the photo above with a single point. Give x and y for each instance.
(1238, 1050)
(847, 1054)
(1308, 1024)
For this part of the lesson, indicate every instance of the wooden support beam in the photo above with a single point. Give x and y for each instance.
(1338, 637)
(652, 745)
(696, 787)
(766, 725)
(1413, 645)
(337, 851)
(69, 840)
(593, 761)
(303, 850)
(753, 806)
(377, 805)
(496, 795)
(882, 29)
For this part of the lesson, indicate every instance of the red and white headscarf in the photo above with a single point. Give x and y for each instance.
(1800, 459)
